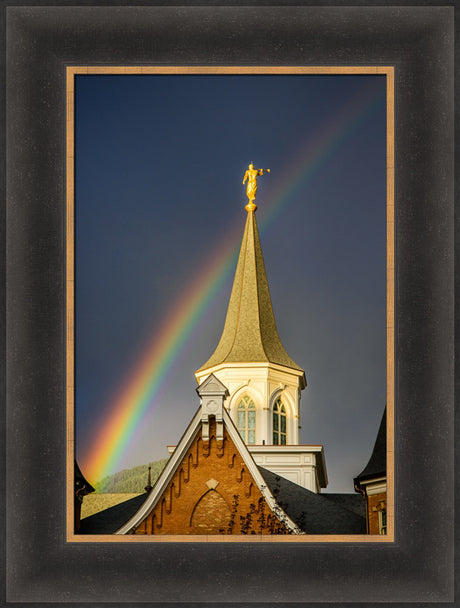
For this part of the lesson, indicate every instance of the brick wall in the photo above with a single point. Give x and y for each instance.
(211, 492)
(375, 503)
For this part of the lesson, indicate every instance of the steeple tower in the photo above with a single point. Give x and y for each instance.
(263, 381)
(250, 333)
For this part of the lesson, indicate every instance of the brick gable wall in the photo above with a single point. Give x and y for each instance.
(211, 492)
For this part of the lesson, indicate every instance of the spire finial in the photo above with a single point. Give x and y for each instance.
(148, 487)
(251, 189)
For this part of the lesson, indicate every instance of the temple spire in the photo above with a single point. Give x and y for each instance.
(250, 333)
(148, 487)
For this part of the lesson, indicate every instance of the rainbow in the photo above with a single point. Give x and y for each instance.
(113, 434)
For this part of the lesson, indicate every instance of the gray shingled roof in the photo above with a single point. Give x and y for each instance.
(111, 519)
(352, 502)
(318, 513)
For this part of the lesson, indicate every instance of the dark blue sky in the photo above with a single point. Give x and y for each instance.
(159, 165)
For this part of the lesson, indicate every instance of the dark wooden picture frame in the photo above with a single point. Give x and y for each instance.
(41, 43)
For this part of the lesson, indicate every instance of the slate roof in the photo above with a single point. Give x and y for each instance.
(111, 519)
(318, 513)
(377, 465)
(250, 333)
(352, 502)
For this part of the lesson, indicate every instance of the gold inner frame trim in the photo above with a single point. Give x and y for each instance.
(71, 72)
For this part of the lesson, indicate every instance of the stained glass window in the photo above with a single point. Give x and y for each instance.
(279, 423)
(247, 420)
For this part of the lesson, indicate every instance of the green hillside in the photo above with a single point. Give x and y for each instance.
(130, 480)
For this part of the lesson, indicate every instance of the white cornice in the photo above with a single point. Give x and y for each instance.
(285, 448)
(205, 372)
(317, 450)
(375, 486)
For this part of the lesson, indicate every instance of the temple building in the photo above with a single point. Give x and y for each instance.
(239, 467)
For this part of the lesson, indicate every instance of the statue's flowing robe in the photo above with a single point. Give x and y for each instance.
(252, 184)
(251, 189)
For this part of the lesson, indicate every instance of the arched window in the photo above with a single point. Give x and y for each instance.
(247, 420)
(279, 423)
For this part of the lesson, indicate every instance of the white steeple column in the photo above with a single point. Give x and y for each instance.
(264, 384)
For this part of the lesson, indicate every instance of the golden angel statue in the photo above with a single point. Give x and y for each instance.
(251, 175)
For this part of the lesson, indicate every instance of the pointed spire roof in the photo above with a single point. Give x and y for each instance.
(377, 465)
(250, 333)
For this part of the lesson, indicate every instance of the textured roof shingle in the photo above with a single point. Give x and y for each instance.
(111, 519)
(318, 513)
(250, 333)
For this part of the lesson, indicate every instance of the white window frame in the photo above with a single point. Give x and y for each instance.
(248, 406)
(279, 403)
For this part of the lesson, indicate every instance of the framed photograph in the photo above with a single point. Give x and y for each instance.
(317, 122)
(67, 75)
